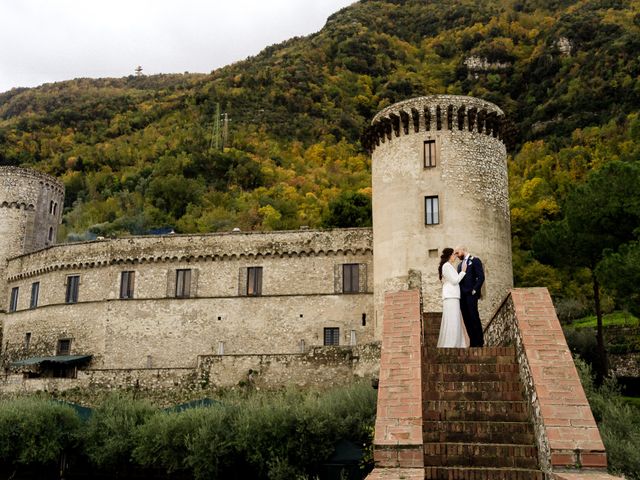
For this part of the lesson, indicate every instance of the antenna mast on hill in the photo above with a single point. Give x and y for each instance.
(215, 133)
(219, 136)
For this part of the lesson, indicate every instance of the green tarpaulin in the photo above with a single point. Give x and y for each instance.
(69, 360)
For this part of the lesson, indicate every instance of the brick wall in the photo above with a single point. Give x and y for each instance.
(398, 432)
(566, 432)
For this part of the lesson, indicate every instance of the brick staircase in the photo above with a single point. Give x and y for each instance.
(476, 424)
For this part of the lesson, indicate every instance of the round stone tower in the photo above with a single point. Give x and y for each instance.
(30, 212)
(439, 176)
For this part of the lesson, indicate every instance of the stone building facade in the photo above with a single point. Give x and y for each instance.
(160, 302)
(439, 179)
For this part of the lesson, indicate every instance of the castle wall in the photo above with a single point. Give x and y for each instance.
(27, 218)
(470, 180)
(301, 295)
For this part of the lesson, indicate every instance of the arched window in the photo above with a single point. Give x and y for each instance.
(55, 208)
(51, 207)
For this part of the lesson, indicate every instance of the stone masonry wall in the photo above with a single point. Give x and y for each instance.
(320, 367)
(301, 295)
(27, 222)
(470, 180)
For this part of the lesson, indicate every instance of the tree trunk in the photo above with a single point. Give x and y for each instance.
(602, 369)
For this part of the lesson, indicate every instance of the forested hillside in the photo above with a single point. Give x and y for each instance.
(138, 153)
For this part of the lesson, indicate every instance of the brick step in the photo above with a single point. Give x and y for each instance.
(472, 396)
(474, 377)
(480, 455)
(495, 411)
(479, 473)
(465, 386)
(487, 432)
(470, 368)
(502, 355)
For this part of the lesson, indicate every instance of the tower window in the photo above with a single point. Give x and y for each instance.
(35, 293)
(50, 237)
(55, 208)
(73, 285)
(127, 283)
(13, 304)
(332, 336)
(183, 283)
(254, 281)
(64, 346)
(27, 341)
(429, 153)
(51, 207)
(350, 278)
(432, 212)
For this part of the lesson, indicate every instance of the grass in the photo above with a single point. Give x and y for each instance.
(633, 401)
(618, 318)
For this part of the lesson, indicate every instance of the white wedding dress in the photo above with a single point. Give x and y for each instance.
(452, 331)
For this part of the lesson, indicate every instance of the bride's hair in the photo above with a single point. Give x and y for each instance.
(444, 258)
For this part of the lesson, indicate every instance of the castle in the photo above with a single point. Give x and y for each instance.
(320, 307)
(439, 179)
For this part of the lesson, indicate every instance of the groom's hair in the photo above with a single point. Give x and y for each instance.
(462, 248)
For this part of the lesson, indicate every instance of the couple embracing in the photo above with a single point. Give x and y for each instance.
(460, 327)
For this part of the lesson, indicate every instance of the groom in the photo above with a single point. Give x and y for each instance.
(470, 286)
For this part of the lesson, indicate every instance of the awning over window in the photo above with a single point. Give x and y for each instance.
(58, 360)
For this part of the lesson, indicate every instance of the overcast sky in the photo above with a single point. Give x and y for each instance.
(49, 40)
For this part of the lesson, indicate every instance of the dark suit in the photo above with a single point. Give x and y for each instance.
(471, 282)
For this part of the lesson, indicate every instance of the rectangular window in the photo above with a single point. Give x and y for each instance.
(350, 278)
(332, 336)
(27, 341)
(13, 304)
(183, 283)
(73, 284)
(254, 281)
(35, 293)
(64, 346)
(429, 153)
(127, 283)
(432, 213)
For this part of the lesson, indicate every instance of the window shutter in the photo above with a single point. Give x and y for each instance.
(258, 284)
(194, 282)
(171, 283)
(242, 282)
(362, 277)
(337, 278)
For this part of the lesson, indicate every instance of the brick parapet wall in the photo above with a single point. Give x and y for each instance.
(398, 433)
(566, 433)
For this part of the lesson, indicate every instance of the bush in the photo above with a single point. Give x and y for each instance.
(262, 435)
(109, 435)
(618, 422)
(35, 431)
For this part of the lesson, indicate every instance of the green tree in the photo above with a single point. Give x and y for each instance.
(599, 214)
(620, 272)
(350, 209)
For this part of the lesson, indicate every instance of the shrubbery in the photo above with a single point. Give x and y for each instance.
(619, 423)
(281, 435)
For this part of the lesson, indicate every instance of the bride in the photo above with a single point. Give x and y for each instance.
(452, 331)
